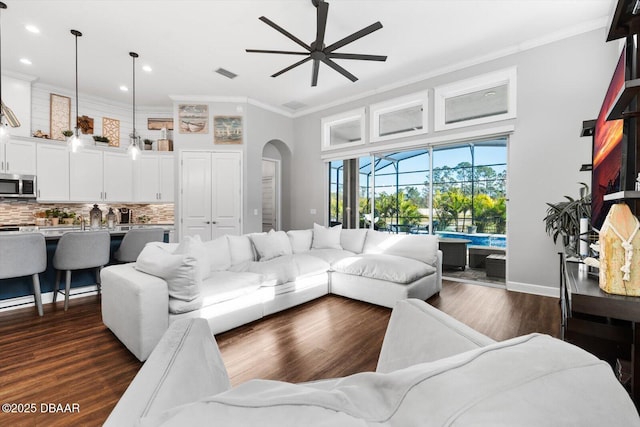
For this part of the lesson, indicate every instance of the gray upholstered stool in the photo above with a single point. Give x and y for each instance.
(24, 255)
(134, 241)
(79, 250)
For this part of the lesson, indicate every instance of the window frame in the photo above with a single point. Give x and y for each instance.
(475, 84)
(337, 119)
(397, 104)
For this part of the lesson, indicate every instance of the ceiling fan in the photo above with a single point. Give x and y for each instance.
(317, 51)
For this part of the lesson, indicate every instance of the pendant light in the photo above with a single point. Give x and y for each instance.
(4, 133)
(75, 142)
(134, 144)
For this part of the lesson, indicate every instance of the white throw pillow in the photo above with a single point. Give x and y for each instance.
(326, 238)
(271, 245)
(300, 240)
(353, 239)
(218, 253)
(180, 271)
(192, 245)
(241, 249)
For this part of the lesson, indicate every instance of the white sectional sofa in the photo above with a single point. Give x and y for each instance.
(432, 371)
(234, 280)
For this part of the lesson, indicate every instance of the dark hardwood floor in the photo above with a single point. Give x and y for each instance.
(72, 358)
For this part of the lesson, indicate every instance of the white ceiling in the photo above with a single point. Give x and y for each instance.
(184, 41)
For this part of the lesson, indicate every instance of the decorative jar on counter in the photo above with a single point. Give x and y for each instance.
(95, 217)
(111, 219)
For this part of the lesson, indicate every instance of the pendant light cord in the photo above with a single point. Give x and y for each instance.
(77, 34)
(134, 56)
(2, 6)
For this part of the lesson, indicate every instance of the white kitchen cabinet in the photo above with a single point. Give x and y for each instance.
(52, 172)
(18, 157)
(85, 176)
(154, 178)
(118, 177)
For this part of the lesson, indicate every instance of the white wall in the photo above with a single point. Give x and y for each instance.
(16, 94)
(559, 85)
(96, 108)
(260, 127)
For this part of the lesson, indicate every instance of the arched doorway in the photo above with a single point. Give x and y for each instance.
(276, 167)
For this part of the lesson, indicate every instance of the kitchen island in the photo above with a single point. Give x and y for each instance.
(19, 291)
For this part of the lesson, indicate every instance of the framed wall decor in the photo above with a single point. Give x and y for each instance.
(85, 123)
(111, 130)
(193, 118)
(59, 116)
(158, 124)
(227, 129)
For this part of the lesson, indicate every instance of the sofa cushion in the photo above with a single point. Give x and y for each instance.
(194, 246)
(330, 255)
(300, 240)
(275, 271)
(241, 249)
(225, 285)
(326, 238)
(309, 265)
(271, 245)
(353, 239)
(219, 253)
(181, 272)
(533, 380)
(384, 267)
(423, 248)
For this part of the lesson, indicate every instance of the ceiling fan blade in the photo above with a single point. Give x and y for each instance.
(356, 56)
(284, 70)
(339, 69)
(353, 37)
(321, 24)
(283, 52)
(285, 32)
(314, 75)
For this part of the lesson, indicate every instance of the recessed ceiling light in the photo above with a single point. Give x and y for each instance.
(25, 61)
(124, 88)
(32, 29)
(147, 68)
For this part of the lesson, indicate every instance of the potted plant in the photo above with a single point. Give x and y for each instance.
(148, 144)
(67, 217)
(53, 215)
(563, 219)
(67, 133)
(102, 139)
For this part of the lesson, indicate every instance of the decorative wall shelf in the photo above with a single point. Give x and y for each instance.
(631, 89)
(622, 195)
(623, 20)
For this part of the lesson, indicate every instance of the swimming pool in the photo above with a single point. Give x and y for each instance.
(477, 239)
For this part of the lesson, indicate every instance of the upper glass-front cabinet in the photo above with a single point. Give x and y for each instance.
(399, 117)
(343, 130)
(483, 99)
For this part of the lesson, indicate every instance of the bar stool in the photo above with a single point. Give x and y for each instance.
(134, 241)
(79, 250)
(24, 255)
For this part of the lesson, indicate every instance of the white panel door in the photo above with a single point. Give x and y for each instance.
(211, 185)
(196, 194)
(226, 193)
(85, 176)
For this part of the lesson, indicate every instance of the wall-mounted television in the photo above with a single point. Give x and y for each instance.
(609, 142)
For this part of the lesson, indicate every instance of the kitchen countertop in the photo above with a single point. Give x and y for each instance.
(54, 233)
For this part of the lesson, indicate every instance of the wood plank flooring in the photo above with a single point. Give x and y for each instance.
(66, 358)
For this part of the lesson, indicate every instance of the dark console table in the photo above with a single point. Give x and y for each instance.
(604, 324)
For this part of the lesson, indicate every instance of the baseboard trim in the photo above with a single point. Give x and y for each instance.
(528, 288)
(47, 298)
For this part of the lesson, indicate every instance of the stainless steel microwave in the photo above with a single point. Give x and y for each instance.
(17, 186)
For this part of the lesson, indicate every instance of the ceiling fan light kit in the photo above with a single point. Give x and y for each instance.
(317, 51)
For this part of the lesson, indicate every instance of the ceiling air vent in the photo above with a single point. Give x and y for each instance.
(226, 73)
(294, 105)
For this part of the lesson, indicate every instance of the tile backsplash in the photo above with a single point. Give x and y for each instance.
(22, 212)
